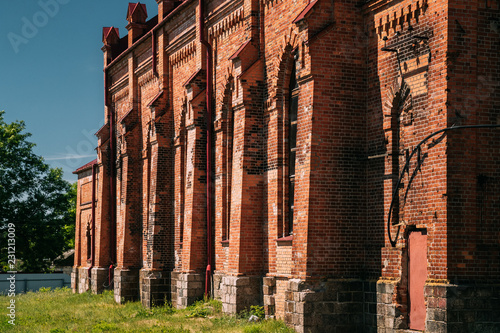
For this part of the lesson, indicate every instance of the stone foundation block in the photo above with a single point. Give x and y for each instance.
(238, 293)
(99, 280)
(189, 287)
(126, 285)
(83, 279)
(325, 306)
(74, 279)
(155, 287)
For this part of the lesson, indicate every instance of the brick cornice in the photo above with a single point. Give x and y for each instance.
(226, 24)
(183, 54)
(224, 12)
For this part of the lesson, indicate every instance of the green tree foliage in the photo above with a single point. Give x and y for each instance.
(35, 199)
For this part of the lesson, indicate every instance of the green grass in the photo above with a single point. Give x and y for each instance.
(60, 310)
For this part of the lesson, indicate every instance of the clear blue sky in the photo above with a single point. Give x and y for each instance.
(51, 73)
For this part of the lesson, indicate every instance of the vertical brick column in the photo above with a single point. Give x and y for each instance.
(82, 264)
(128, 196)
(190, 279)
(102, 256)
(75, 280)
(245, 243)
(246, 253)
(155, 277)
(155, 280)
(126, 274)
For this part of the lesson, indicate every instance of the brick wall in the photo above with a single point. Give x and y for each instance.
(83, 217)
(473, 176)
(374, 79)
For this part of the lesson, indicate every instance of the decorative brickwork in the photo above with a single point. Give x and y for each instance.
(319, 181)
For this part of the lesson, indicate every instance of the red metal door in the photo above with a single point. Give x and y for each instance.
(417, 250)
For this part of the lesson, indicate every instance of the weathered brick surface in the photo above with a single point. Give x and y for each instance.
(373, 79)
(472, 188)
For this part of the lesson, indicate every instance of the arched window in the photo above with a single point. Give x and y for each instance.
(229, 174)
(183, 182)
(395, 154)
(183, 151)
(89, 241)
(291, 151)
(228, 161)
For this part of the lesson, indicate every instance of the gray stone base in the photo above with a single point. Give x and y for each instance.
(74, 280)
(392, 314)
(187, 288)
(100, 280)
(268, 291)
(450, 308)
(126, 283)
(237, 293)
(83, 279)
(462, 308)
(325, 306)
(154, 287)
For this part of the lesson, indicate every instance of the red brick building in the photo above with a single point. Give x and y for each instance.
(321, 158)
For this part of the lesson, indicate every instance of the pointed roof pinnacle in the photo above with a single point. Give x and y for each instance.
(137, 12)
(110, 33)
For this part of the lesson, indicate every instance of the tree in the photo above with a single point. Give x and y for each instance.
(35, 200)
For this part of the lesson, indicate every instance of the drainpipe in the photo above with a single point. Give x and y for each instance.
(208, 90)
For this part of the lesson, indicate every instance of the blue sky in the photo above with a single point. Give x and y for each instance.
(51, 72)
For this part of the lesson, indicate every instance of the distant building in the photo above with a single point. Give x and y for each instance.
(315, 119)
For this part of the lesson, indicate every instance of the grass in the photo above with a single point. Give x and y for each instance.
(60, 310)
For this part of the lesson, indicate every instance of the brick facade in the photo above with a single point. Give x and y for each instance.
(300, 207)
